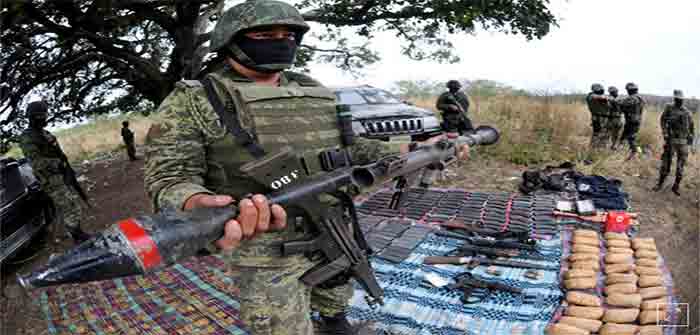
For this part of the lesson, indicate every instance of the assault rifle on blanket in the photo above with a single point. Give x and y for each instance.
(470, 285)
(140, 245)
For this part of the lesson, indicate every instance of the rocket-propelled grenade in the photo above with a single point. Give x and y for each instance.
(135, 246)
(142, 244)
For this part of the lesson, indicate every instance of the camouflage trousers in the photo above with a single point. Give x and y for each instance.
(130, 150)
(629, 134)
(611, 131)
(274, 301)
(69, 211)
(680, 150)
(598, 135)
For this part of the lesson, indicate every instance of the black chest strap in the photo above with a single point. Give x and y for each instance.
(230, 121)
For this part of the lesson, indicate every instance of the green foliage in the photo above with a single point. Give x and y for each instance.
(419, 89)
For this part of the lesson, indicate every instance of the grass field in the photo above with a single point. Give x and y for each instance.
(99, 136)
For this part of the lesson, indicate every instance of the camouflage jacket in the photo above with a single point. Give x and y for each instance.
(677, 125)
(190, 152)
(632, 107)
(127, 135)
(597, 107)
(45, 155)
(458, 99)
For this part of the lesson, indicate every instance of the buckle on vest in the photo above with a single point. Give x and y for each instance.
(334, 159)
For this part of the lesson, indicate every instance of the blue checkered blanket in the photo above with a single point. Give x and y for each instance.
(414, 307)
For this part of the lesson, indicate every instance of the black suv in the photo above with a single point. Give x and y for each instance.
(379, 114)
(25, 209)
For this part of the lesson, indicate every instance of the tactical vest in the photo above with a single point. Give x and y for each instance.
(597, 107)
(302, 117)
(633, 113)
(615, 111)
(678, 125)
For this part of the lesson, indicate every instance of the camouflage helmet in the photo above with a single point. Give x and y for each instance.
(612, 89)
(597, 87)
(631, 87)
(454, 84)
(37, 109)
(678, 94)
(254, 14)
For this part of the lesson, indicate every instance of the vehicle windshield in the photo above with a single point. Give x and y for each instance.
(362, 96)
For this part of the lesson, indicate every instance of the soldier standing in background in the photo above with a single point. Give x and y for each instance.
(53, 171)
(192, 161)
(454, 105)
(128, 138)
(614, 122)
(678, 131)
(632, 107)
(599, 108)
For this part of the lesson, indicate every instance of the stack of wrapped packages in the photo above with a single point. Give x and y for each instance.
(635, 296)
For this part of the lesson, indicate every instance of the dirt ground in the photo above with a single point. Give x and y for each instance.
(116, 188)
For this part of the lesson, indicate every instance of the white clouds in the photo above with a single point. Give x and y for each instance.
(652, 43)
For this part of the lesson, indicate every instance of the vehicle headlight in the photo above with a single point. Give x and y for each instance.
(430, 122)
(358, 128)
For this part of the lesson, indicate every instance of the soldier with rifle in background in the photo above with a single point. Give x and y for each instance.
(614, 124)
(454, 105)
(128, 138)
(600, 111)
(244, 109)
(54, 172)
(632, 107)
(678, 132)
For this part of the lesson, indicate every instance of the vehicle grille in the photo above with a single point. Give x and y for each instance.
(393, 126)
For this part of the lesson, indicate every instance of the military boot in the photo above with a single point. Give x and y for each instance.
(676, 187)
(660, 184)
(334, 325)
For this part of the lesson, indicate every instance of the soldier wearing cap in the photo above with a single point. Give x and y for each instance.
(678, 131)
(599, 108)
(193, 161)
(50, 166)
(454, 105)
(614, 122)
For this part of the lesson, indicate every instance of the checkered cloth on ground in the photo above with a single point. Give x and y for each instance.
(416, 308)
(195, 297)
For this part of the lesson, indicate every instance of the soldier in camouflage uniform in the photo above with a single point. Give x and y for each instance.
(191, 161)
(600, 110)
(678, 131)
(632, 107)
(454, 105)
(614, 122)
(128, 138)
(49, 163)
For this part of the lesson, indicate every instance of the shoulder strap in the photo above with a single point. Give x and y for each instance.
(230, 121)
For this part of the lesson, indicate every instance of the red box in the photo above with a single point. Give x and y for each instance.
(617, 222)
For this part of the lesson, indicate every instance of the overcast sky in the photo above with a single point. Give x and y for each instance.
(652, 43)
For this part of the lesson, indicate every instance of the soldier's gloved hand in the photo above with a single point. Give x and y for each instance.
(256, 216)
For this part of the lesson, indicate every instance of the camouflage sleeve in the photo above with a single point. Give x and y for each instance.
(691, 126)
(175, 152)
(664, 121)
(44, 167)
(365, 150)
(443, 103)
(626, 101)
